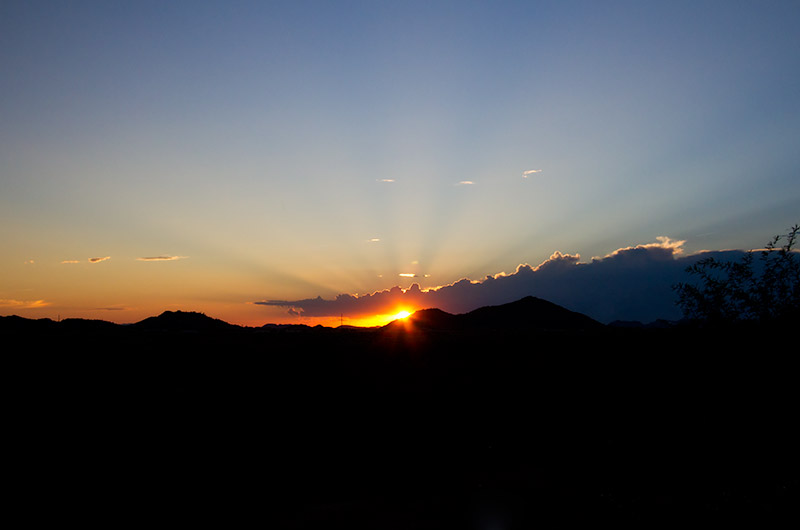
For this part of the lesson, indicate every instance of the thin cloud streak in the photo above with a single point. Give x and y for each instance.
(98, 260)
(161, 258)
(23, 304)
(526, 174)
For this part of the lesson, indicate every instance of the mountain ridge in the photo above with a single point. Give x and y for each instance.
(525, 314)
(528, 313)
(612, 422)
(184, 321)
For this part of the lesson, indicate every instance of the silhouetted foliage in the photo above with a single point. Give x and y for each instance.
(762, 290)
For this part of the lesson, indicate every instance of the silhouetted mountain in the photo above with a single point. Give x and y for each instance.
(185, 321)
(83, 325)
(524, 412)
(16, 323)
(429, 319)
(528, 314)
(21, 324)
(284, 327)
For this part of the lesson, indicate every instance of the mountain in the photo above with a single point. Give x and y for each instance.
(15, 323)
(429, 319)
(86, 325)
(529, 313)
(184, 321)
(375, 429)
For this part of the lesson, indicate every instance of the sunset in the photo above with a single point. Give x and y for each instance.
(417, 200)
(209, 157)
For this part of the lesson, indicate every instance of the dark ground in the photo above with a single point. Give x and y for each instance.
(320, 428)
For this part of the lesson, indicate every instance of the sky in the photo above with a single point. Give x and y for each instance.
(240, 158)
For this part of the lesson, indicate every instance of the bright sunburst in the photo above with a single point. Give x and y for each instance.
(401, 315)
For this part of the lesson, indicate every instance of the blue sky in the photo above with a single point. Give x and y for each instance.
(288, 150)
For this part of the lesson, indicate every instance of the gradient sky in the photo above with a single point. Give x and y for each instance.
(289, 150)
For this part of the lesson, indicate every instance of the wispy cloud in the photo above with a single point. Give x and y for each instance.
(631, 283)
(70, 261)
(465, 183)
(407, 275)
(161, 258)
(98, 260)
(528, 173)
(23, 304)
(386, 180)
(374, 240)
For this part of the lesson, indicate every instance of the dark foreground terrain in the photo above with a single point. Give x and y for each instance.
(433, 425)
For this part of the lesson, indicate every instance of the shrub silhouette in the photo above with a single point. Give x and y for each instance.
(748, 290)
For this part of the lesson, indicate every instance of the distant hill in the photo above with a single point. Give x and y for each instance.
(84, 325)
(46, 325)
(512, 411)
(529, 313)
(21, 324)
(168, 321)
(429, 319)
(184, 321)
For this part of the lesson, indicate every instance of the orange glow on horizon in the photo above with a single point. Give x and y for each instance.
(133, 310)
(377, 320)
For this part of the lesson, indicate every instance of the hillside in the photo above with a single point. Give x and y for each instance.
(437, 421)
(524, 315)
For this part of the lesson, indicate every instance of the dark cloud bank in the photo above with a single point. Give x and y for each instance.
(632, 283)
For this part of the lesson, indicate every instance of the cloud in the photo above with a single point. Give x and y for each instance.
(381, 302)
(23, 304)
(407, 275)
(70, 261)
(663, 245)
(374, 240)
(526, 174)
(98, 260)
(161, 258)
(386, 180)
(465, 183)
(631, 283)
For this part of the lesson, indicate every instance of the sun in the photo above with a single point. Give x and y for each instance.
(377, 320)
(401, 315)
